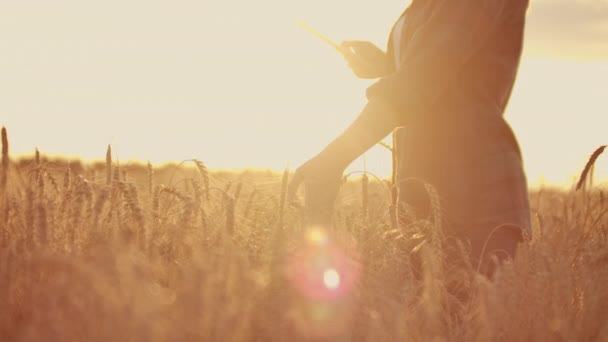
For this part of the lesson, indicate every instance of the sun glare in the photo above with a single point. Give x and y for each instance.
(316, 237)
(331, 279)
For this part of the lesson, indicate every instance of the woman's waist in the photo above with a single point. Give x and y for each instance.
(472, 134)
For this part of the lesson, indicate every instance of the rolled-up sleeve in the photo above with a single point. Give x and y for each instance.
(437, 51)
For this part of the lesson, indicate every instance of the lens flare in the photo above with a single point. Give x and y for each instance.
(316, 237)
(331, 279)
(322, 269)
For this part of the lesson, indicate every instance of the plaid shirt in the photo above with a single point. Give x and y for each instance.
(459, 59)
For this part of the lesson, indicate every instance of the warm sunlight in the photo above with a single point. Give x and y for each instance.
(166, 81)
(270, 170)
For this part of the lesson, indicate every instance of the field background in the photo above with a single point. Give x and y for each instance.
(111, 252)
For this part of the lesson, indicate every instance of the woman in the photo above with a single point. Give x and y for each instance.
(446, 79)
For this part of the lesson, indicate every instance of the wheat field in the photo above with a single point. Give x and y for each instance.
(104, 251)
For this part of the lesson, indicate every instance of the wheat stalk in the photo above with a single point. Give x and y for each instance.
(284, 188)
(67, 178)
(250, 202)
(589, 166)
(230, 219)
(109, 165)
(150, 170)
(237, 192)
(29, 218)
(365, 195)
(42, 223)
(37, 158)
(202, 170)
(386, 146)
(132, 198)
(53, 181)
(116, 177)
(4, 175)
(99, 205)
(40, 181)
(75, 215)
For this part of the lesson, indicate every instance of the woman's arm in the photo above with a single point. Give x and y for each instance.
(455, 31)
(375, 122)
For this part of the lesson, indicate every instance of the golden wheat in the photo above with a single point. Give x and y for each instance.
(589, 168)
(131, 259)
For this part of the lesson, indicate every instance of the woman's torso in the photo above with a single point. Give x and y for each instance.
(470, 153)
(483, 86)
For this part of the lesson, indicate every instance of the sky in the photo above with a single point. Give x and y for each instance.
(238, 84)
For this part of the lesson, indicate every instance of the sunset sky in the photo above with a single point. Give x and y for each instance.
(238, 84)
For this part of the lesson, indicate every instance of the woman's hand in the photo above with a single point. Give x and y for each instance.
(320, 173)
(322, 179)
(365, 59)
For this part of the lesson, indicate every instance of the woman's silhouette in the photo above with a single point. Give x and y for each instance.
(444, 82)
